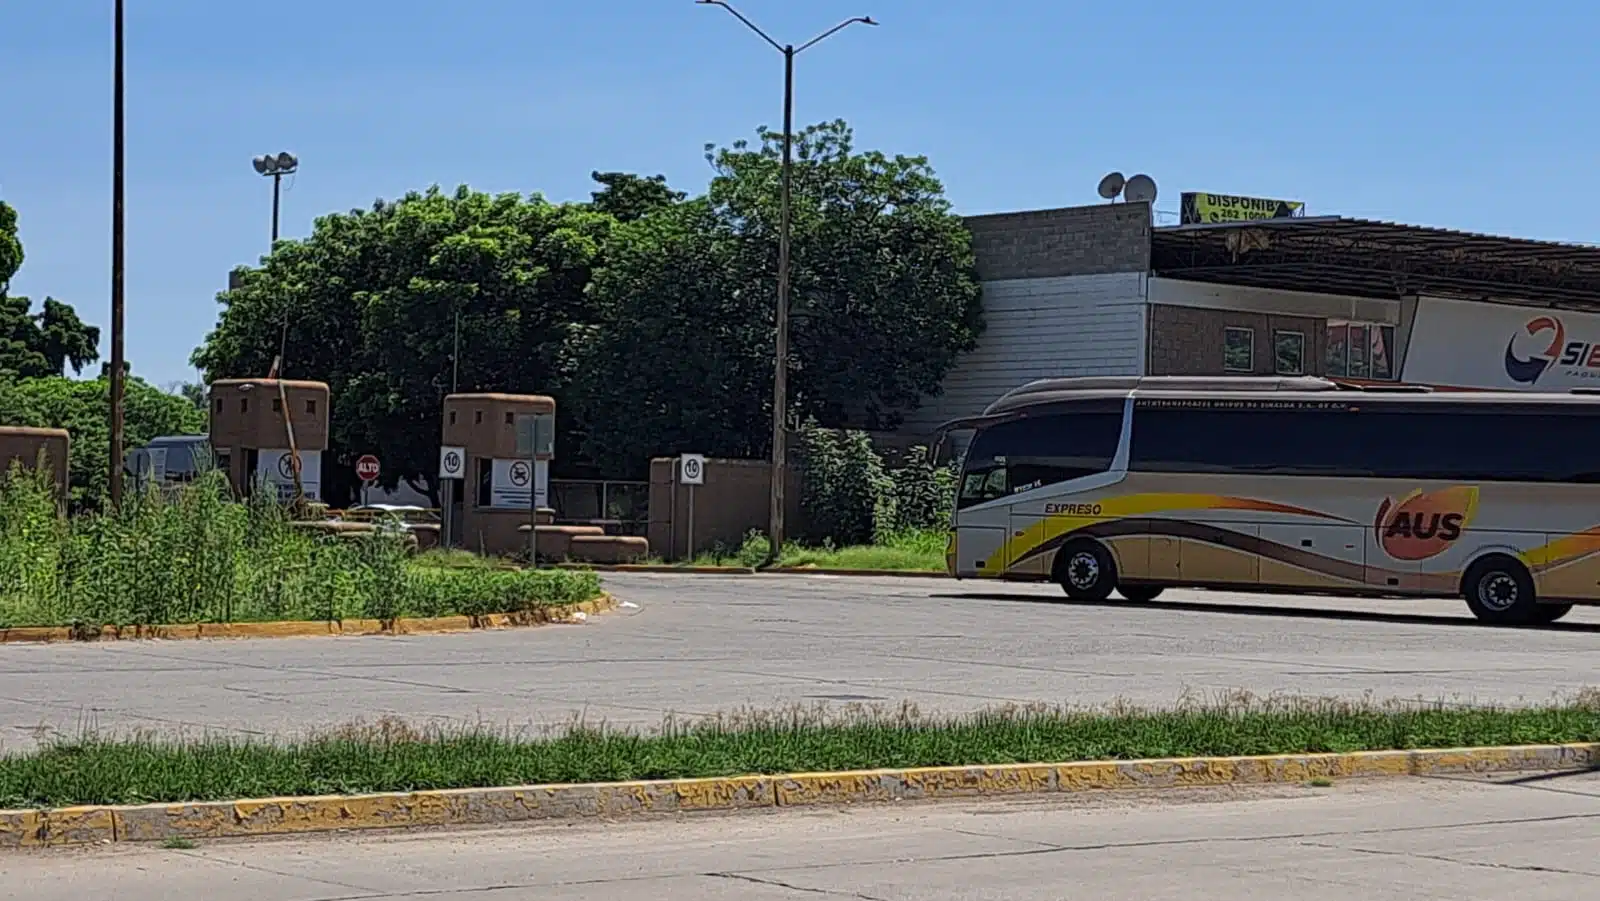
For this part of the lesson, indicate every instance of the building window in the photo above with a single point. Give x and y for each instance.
(509, 419)
(1289, 353)
(244, 405)
(1360, 350)
(1238, 349)
(477, 418)
(277, 405)
(311, 408)
(452, 417)
(485, 481)
(219, 405)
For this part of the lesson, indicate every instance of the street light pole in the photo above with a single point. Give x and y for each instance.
(118, 261)
(780, 369)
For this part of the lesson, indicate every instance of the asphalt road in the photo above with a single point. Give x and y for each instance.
(697, 645)
(1407, 840)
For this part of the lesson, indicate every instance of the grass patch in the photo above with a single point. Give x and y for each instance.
(916, 550)
(392, 756)
(195, 555)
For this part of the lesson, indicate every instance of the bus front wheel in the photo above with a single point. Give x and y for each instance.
(1139, 594)
(1500, 591)
(1086, 570)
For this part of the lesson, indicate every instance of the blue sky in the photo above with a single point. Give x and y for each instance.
(1468, 115)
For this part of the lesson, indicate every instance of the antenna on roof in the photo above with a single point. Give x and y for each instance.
(1140, 189)
(1111, 186)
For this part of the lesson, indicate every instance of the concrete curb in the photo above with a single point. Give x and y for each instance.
(489, 806)
(314, 628)
(750, 571)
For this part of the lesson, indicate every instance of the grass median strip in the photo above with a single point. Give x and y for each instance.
(393, 757)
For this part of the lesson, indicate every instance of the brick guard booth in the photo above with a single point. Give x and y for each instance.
(491, 505)
(249, 436)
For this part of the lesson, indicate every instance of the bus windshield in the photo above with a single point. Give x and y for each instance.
(1034, 451)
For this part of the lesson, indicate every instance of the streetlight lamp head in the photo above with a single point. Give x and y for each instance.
(287, 161)
(866, 20)
(263, 164)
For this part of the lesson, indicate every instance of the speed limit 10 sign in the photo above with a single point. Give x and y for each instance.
(692, 469)
(452, 462)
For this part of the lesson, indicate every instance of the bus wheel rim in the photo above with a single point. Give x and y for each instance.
(1498, 591)
(1083, 570)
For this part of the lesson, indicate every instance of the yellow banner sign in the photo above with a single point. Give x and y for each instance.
(1200, 207)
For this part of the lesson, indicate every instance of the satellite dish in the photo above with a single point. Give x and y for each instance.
(1140, 189)
(261, 164)
(286, 160)
(1111, 185)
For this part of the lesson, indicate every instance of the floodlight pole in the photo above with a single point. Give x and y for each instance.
(780, 368)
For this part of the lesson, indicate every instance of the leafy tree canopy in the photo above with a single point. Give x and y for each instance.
(43, 343)
(883, 298)
(626, 197)
(370, 301)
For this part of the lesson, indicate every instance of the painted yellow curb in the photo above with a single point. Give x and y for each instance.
(487, 806)
(403, 626)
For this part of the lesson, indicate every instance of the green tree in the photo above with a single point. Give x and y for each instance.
(43, 343)
(626, 197)
(370, 301)
(10, 245)
(884, 297)
(83, 408)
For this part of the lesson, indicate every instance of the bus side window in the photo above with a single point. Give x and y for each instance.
(978, 487)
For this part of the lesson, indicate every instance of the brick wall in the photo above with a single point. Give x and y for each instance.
(1085, 240)
(1190, 340)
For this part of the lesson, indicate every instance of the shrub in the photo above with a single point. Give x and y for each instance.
(849, 496)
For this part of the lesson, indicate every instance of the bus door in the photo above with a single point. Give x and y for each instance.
(983, 520)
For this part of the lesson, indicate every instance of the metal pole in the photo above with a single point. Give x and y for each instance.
(118, 262)
(691, 522)
(780, 372)
(277, 183)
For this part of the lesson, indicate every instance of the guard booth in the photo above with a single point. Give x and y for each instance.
(33, 447)
(253, 424)
(508, 441)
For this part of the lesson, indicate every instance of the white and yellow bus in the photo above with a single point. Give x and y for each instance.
(1297, 485)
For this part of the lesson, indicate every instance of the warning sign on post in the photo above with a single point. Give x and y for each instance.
(510, 480)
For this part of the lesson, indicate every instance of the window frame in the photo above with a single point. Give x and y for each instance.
(1249, 332)
(1370, 328)
(1295, 333)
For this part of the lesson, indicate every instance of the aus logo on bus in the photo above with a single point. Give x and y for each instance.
(1420, 525)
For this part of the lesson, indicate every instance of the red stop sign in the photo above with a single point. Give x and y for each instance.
(367, 468)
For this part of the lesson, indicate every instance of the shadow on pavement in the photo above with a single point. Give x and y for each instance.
(1330, 613)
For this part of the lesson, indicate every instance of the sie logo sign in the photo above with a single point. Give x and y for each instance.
(1421, 525)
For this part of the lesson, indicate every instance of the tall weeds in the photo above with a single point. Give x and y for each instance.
(195, 555)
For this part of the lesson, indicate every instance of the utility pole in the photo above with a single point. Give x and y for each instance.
(118, 260)
(780, 370)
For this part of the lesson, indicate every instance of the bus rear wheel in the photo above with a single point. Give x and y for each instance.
(1500, 591)
(1086, 570)
(1545, 614)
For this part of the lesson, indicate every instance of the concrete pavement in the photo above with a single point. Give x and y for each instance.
(1533, 839)
(702, 644)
